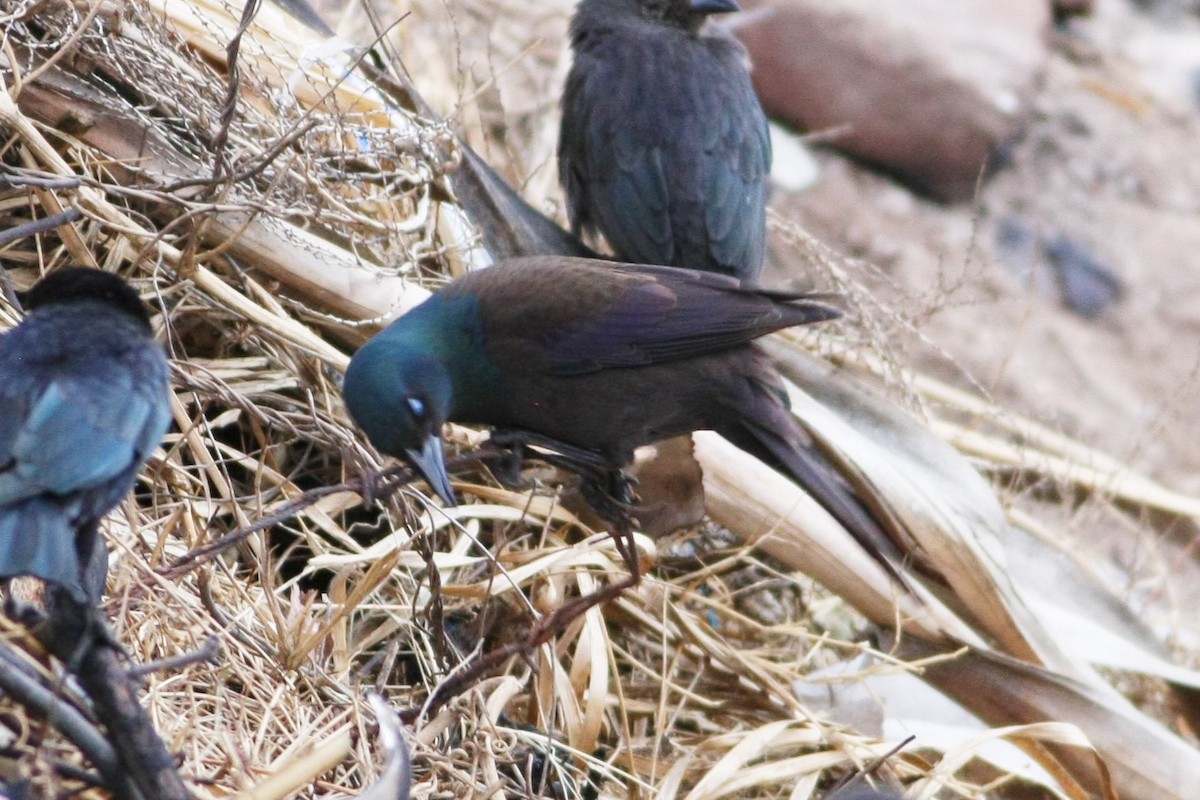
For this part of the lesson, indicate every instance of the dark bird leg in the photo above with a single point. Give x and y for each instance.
(605, 487)
(504, 454)
(610, 494)
(575, 459)
(93, 556)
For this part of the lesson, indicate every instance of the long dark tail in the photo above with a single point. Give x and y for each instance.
(38, 538)
(772, 434)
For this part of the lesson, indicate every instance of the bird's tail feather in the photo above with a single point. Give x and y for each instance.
(775, 437)
(37, 538)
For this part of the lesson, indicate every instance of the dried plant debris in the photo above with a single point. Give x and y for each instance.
(272, 205)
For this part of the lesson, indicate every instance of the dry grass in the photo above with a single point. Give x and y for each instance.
(329, 211)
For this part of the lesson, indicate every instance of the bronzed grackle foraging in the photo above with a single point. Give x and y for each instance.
(598, 357)
(83, 388)
(664, 147)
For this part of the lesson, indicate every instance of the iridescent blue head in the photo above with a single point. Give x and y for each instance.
(400, 396)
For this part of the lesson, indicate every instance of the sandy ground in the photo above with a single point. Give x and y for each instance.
(1116, 173)
(1109, 158)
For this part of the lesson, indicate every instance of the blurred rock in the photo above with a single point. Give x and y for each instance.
(1088, 285)
(930, 91)
(1020, 249)
(670, 486)
(1058, 266)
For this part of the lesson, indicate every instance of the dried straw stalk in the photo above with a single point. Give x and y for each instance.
(331, 207)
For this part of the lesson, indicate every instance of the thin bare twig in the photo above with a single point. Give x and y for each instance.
(42, 225)
(229, 109)
(16, 179)
(206, 652)
(78, 635)
(24, 687)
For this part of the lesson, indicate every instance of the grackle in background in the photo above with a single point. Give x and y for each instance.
(664, 147)
(599, 356)
(83, 388)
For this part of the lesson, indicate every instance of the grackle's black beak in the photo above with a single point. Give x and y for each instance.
(430, 462)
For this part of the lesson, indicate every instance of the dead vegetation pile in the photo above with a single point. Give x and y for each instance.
(272, 215)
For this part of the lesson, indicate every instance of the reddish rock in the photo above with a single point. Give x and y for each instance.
(928, 90)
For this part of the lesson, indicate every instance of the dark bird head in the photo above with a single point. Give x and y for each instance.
(400, 396)
(77, 284)
(686, 14)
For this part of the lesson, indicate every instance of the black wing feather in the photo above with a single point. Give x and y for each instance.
(664, 149)
(624, 315)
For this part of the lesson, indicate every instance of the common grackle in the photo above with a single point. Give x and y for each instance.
(601, 357)
(663, 146)
(83, 388)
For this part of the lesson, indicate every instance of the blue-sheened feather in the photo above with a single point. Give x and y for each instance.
(664, 148)
(83, 386)
(603, 357)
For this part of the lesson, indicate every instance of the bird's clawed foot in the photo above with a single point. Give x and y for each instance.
(610, 494)
(377, 485)
(504, 454)
(371, 482)
(604, 486)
